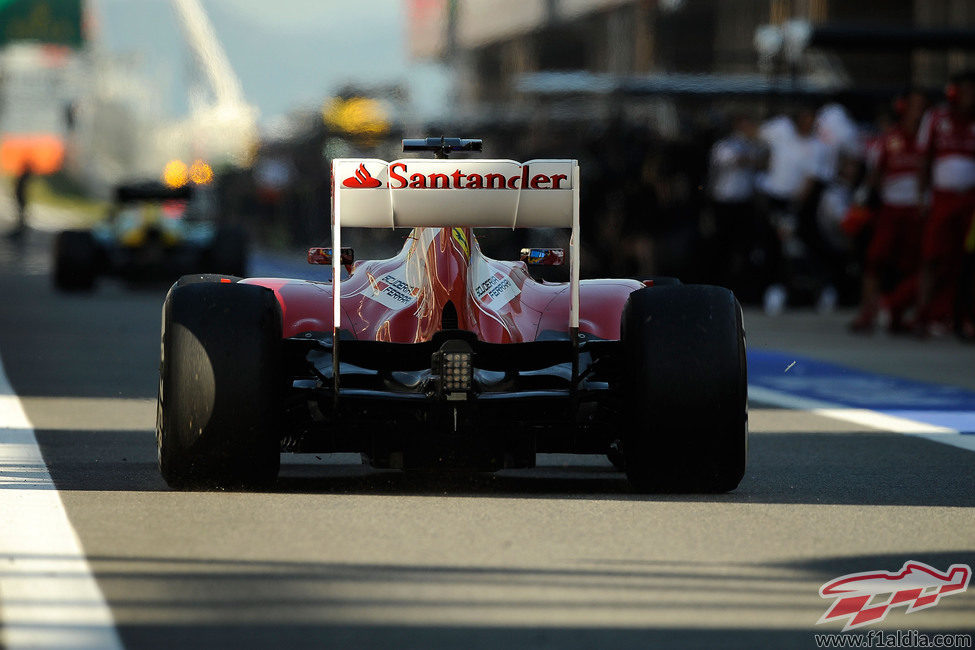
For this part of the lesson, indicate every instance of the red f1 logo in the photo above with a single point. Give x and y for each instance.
(865, 598)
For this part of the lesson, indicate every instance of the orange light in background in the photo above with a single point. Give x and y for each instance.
(43, 153)
(176, 173)
(200, 172)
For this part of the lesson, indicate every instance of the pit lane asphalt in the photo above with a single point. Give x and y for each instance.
(563, 556)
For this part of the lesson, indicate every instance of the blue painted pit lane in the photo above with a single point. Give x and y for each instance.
(935, 404)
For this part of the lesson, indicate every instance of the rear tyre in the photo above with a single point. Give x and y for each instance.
(663, 281)
(686, 407)
(220, 386)
(615, 453)
(197, 278)
(75, 260)
(228, 252)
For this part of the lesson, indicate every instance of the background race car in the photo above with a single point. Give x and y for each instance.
(152, 232)
(441, 357)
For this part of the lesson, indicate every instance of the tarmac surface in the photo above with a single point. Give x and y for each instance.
(339, 555)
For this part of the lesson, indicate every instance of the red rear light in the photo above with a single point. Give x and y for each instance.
(226, 280)
(319, 255)
(322, 255)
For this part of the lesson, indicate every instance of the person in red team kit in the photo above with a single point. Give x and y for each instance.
(893, 256)
(947, 139)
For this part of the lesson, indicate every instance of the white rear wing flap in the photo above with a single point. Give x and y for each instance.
(441, 193)
(371, 193)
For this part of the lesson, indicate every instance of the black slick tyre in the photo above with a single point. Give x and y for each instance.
(615, 453)
(220, 386)
(197, 278)
(685, 390)
(663, 281)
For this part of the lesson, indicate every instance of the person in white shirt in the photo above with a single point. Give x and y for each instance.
(799, 168)
(796, 155)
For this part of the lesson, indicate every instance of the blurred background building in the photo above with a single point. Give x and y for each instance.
(638, 90)
(62, 89)
(500, 48)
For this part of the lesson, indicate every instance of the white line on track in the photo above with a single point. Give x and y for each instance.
(863, 417)
(48, 595)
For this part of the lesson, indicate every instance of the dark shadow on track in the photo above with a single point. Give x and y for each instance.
(832, 567)
(847, 469)
(294, 604)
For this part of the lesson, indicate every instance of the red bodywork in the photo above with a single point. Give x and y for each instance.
(402, 299)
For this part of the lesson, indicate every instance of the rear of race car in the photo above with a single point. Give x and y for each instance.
(152, 232)
(449, 356)
(443, 358)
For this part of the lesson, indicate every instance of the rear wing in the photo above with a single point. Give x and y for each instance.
(370, 193)
(443, 193)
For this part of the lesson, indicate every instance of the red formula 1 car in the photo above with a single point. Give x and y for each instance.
(441, 357)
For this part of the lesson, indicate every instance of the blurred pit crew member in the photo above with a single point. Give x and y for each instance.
(20, 196)
(734, 163)
(837, 249)
(965, 303)
(893, 255)
(947, 140)
(798, 170)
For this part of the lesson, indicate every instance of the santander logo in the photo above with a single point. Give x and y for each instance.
(361, 178)
(400, 178)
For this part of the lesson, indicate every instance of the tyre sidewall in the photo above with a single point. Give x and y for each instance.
(221, 385)
(685, 410)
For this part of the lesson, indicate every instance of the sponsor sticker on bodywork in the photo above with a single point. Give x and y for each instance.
(391, 289)
(492, 288)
